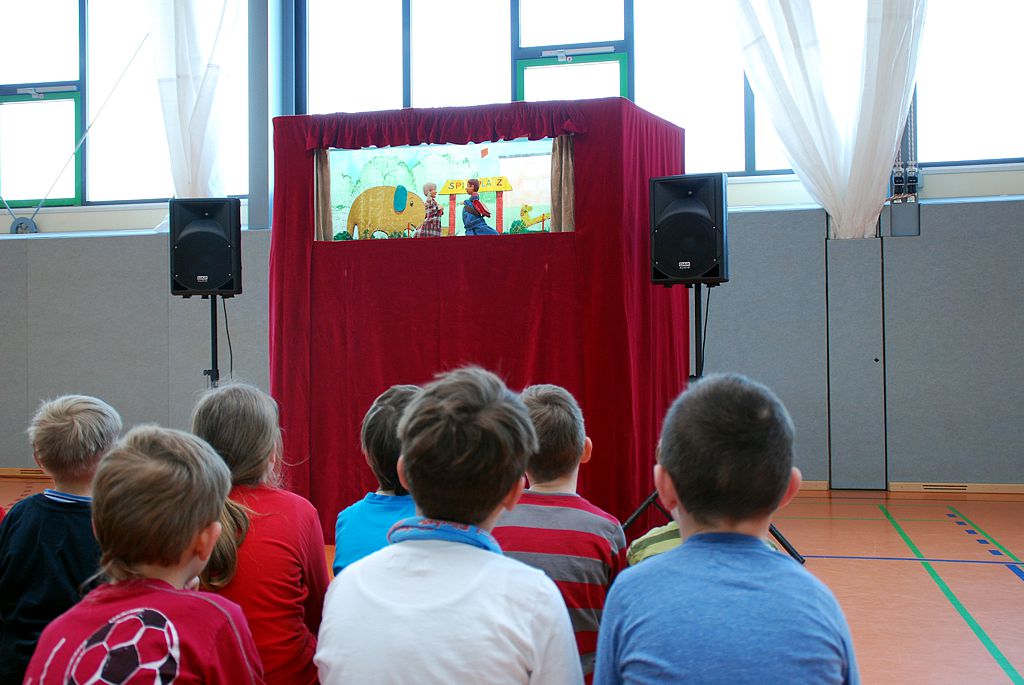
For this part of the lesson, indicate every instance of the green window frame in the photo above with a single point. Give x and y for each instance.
(523, 64)
(78, 160)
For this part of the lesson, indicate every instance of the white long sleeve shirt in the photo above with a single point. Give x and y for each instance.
(434, 611)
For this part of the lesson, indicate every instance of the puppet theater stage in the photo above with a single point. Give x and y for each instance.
(348, 319)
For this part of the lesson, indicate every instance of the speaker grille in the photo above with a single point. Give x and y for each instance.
(684, 240)
(203, 256)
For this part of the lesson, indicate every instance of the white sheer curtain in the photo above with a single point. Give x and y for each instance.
(841, 132)
(192, 37)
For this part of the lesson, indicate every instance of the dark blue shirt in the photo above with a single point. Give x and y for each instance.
(47, 553)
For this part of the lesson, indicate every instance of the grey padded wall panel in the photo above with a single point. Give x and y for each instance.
(98, 321)
(955, 345)
(94, 314)
(768, 321)
(247, 321)
(856, 365)
(15, 407)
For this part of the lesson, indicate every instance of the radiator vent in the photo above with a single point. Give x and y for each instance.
(944, 487)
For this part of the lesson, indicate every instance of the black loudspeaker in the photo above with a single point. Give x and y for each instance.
(206, 246)
(688, 230)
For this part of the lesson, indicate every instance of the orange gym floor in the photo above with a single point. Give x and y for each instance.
(932, 584)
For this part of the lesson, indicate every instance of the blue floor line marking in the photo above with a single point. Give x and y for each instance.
(971, 532)
(952, 516)
(960, 523)
(982, 541)
(995, 552)
(944, 561)
(1016, 569)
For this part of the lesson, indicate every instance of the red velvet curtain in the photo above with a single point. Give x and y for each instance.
(348, 319)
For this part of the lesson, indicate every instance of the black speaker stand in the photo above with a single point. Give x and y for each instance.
(652, 499)
(213, 372)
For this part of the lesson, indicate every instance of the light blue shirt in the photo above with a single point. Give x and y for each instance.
(723, 608)
(363, 528)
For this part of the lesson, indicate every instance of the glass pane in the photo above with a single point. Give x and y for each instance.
(572, 81)
(355, 55)
(769, 153)
(40, 41)
(689, 70)
(968, 99)
(542, 22)
(133, 111)
(442, 60)
(37, 138)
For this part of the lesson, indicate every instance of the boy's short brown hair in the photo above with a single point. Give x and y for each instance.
(153, 492)
(474, 182)
(69, 434)
(465, 440)
(557, 418)
(379, 435)
(727, 445)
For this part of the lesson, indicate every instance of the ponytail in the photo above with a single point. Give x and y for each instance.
(234, 521)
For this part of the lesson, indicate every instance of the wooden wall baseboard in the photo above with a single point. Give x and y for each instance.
(815, 485)
(23, 473)
(989, 488)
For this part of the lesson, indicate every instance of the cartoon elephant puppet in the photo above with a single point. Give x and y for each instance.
(385, 208)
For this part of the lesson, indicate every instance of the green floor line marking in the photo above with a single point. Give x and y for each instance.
(979, 632)
(989, 537)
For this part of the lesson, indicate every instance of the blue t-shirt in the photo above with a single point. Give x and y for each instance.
(362, 528)
(723, 608)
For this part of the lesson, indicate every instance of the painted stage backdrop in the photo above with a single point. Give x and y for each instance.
(378, 193)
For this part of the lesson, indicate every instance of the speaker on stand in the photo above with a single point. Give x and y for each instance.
(689, 247)
(206, 256)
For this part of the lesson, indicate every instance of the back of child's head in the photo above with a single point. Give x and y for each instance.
(153, 493)
(379, 435)
(560, 431)
(240, 422)
(727, 444)
(473, 185)
(70, 434)
(465, 441)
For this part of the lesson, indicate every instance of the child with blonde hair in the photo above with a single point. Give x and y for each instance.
(158, 495)
(363, 527)
(270, 559)
(47, 547)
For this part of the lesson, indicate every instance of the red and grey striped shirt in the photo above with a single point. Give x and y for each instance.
(579, 546)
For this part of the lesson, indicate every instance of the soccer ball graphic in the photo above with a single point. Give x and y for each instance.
(136, 646)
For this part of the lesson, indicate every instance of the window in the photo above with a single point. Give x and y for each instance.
(968, 102)
(355, 56)
(87, 118)
(542, 22)
(44, 165)
(689, 71)
(572, 78)
(451, 65)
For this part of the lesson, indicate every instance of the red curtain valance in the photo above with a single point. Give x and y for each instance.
(459, 125)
